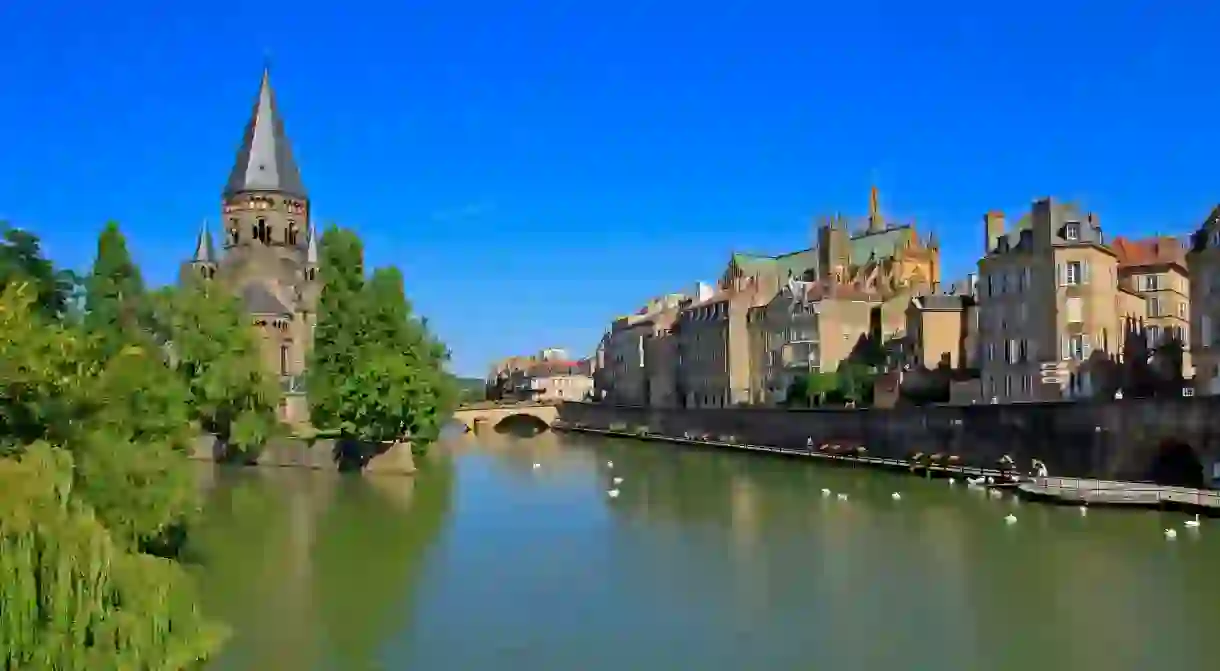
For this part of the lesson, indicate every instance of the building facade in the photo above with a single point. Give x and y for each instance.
(1203, 258)
(1050, 304)
(268, 253)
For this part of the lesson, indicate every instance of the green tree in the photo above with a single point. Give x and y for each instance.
(377, 374)
(94, 473)
(72, 597)
(116, 308)
(215, 353)
(339, 326)
(21, 260)
(855, 382)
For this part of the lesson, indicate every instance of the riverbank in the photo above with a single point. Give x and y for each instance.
(1053, 490)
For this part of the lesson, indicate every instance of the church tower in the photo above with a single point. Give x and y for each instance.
(268, 251)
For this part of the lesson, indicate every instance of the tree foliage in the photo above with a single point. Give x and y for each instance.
(216, 355)
(378, 374)
(117, 309)
(21, 260)
(72, 597)
(94, 474)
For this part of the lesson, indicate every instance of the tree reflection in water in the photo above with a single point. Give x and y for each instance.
(311, 569)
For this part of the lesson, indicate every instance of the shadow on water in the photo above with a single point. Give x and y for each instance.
(312, 569)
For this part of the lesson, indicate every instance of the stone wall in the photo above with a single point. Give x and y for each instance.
(319, 454)
(1111, 440)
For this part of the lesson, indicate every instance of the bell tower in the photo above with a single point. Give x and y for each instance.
(204, 262)
(264, 201)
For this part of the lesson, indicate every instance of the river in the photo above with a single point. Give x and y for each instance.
(707, 560)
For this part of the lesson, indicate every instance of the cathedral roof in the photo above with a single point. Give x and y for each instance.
(261, 301)
(264, 160)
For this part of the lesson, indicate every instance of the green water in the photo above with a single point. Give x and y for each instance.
(705, 561)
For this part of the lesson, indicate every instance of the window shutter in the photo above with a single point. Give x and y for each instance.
(1085, 347)
(1065, 347)
(1059, 279)
(1084, 272)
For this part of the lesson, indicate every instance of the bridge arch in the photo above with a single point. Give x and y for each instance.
(1175, 463)
(522, 422)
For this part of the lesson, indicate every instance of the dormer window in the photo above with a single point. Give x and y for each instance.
(1072, 230)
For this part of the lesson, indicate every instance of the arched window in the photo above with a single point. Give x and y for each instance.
(233, 231)
(283, 359)
(311, 274)
(292, 233)
(261, 231)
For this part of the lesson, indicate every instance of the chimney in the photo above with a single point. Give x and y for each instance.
(993, 229)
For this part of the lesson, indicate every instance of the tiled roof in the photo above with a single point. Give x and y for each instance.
(260, 301)
(1149, 251)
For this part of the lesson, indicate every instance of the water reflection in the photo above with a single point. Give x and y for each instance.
(706, 560)
(313, 569)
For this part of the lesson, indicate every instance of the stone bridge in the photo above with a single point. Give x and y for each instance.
(490, 415)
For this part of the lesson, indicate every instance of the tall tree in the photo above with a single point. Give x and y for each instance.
(215, 352)
(22, 260)
(116, 307)
(339, 323)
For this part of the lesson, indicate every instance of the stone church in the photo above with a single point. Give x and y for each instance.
(269, 248)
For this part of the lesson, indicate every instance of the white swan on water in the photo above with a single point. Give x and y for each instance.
(1171, 534)
(952, 481)
(896, 496)
(842, 497)
(609, 464)
(618, 481)
(537, 466)
(613, 493)
(825, 492)
(1010, 519)
(1193, 524)
(1084, 510)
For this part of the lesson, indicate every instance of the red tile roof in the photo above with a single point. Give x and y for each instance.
(1149, 251)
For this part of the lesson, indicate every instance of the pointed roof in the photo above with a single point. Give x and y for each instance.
(261, 301)
(311, 250)
(205, 252)
(264, 161)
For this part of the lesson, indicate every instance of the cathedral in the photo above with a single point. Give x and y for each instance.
(268, 252)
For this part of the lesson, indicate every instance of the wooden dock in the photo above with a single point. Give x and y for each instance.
(1087, 491)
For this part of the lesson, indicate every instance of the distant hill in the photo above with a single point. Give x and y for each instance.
(472, 389)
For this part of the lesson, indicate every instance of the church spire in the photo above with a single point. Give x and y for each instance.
(311, 250)
(264, 160)
(876, 222)
(205, 252)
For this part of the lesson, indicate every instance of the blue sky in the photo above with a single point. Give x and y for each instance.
(538, 167)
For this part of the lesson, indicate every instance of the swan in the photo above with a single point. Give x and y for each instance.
(1193, 524)
(1010, 519)
(842, 497)
(1171, 534)
(825, 492)
(896, 496)
(1084, 510)
(609, 464)
(952, 481)
(537, 466)
(975, 481)
(613, 493)
(990, 481)
(618, 481)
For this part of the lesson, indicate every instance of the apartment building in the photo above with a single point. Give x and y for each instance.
(1049, 301)
(1156, 269)
(661, 360)
(1203, 259)
(556, 380)
(808, 327)
(622, 377)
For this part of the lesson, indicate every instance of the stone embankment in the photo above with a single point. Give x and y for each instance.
(319, 454)
(1168, 441)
